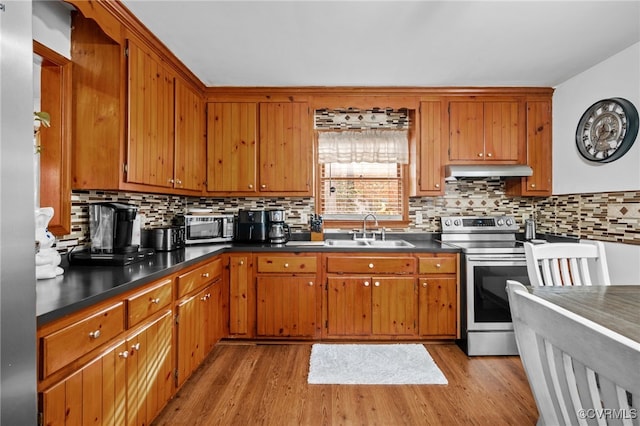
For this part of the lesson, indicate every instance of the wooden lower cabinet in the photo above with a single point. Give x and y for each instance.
(371, 306)
(241, 298)
(94, 394)
(286, 306)
(149, 370)
(126, 385)
(438, 307)
(199, 327)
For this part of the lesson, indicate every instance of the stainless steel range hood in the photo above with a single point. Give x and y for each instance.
(453, 172)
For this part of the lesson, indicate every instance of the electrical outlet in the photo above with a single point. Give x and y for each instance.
(418, 218)
(304, 218)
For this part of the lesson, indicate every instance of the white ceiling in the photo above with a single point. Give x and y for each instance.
(390, 43)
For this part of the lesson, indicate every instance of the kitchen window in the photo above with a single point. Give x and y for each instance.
(362, 172)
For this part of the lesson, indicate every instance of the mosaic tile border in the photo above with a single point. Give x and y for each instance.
(613, 217)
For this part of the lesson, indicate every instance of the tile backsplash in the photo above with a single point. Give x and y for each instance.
(613, 216)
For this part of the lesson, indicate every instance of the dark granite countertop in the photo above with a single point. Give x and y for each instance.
(83, 286)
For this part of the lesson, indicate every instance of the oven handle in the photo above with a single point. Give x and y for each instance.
(501, 258)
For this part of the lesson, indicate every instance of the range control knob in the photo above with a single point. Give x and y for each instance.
(447, 222)
(457, 222)
(500, 222)
(509, 221)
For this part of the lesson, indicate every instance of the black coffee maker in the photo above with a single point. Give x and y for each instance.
(111, 228)
(251, 226)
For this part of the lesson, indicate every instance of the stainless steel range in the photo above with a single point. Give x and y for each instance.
(491, 255)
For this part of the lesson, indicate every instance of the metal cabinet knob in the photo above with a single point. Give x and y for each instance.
(489, 154)
(94, 334)
(533, 185)
(124, 354)
(424, 284)
(171, 181)
(155, 300)
(178, 182)
(371, 266)
(437, 185)
(310, 283)
(366, 283)
(135, 347)
(286, 265)
(438, 265)
(241, 262)
(480, 154)
(263, 186)
(250, 186)
(377, 284)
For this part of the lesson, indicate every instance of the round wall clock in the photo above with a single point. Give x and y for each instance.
(607, 130)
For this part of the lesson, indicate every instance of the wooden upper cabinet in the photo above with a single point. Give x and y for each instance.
(151, 114)
(231, 147)
(539, 152)
(490, 130)
(431, 174)
(286, 148)
(190, 139)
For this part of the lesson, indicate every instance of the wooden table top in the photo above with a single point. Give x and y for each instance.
(616, 307)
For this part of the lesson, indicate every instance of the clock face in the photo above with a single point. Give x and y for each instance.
(607, 130)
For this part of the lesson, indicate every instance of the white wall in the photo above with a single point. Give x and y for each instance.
(52, 25)
(618, 76)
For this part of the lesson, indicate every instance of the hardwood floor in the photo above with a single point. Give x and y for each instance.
(266, 384)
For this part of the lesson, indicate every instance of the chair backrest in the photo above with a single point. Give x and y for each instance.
(566, 263)
(580, 372)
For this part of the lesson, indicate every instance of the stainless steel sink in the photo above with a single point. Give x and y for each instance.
(368, 243)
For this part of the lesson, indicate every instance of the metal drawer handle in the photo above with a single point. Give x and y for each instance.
(205, 275)
(155, 300)
(437, 265)
(94, 334)
(371, 266)
(124, 354)
(286, 265)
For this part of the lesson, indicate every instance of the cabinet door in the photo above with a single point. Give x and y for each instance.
(286, 306)
(231, 147)
(240, 294)
(349, 306)
(501, 131)
(214, 315)
(539, 148)
(95, 394)
(190, 335)
(466, 131)
(438, 307)
(149, 370)
(151, 131)
(190, 142)
(394, 306)
(285, 137)
(431, 162)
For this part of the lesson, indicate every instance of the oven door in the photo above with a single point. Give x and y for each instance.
(486, 281)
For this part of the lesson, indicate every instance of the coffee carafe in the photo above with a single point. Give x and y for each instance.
(279, 232)
(111, 227)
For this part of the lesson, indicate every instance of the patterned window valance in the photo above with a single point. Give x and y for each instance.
(367, 146)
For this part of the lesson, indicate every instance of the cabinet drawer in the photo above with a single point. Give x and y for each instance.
(437, 265)
(148, 302)
(198, 277)
(68, 344)
(371, 264)
(287, 264)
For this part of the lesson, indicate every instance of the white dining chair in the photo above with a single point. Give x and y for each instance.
(580, 373)
(567, 263)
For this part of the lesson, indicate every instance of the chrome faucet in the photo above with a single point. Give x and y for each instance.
(364, 225)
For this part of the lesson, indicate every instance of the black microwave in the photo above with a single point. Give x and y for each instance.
(207, 228)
